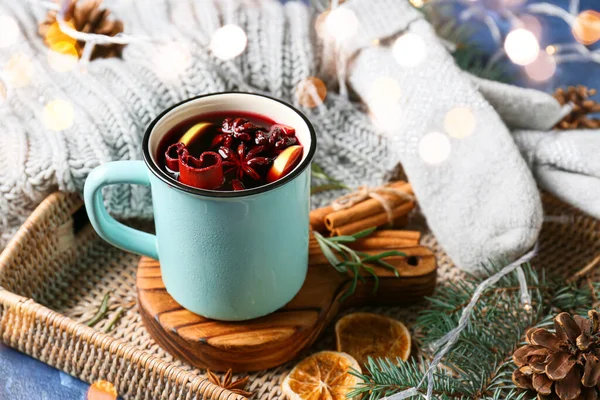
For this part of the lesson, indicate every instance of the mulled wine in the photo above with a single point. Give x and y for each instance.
(229, 151)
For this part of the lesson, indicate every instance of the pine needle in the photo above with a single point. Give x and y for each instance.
(102, 310)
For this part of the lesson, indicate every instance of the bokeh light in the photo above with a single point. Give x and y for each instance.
(102, 390)
(9, 31)
(171, 60)
(543, 68)
(417, 3)
(18, 71)
(384, 90)
(58, 115)
(320, 25)
(3, 92)
(386, 117)
(587, 27)
(228, 42)
(311, 92)
(409, 50)
(532, 24)
(521, 46)
(63, 57)
(341, 23)
(434, 148)
(459, 122)
(551, 49)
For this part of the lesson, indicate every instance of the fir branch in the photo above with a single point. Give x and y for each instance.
(102, 311)
(346, 260)
(480, 364)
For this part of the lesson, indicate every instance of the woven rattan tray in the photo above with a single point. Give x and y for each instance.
(55, 272)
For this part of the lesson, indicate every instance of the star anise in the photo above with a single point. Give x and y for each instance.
(228, 383)
(241, 163)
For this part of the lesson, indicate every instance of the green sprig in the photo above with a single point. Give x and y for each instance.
(102, 310)
(344, 259)
(480, 364)
(331, 182)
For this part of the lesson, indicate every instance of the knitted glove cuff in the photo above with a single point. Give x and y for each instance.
(378, 20)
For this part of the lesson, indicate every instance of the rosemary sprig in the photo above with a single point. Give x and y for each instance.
(101, 313)
(114, 320)
(331, 182)
(345, 260)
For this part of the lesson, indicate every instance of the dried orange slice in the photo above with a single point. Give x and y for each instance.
(322, 376)
(364, 335)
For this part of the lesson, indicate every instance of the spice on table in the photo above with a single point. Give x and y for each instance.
(238, 386)
(364, 335)
(322, 376)
(365, 208)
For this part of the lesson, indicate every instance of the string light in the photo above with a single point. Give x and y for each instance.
(102, 390)
(58, 115)
(341, 23)
(542, 68)
(587, 27)
(459, 122)
(9, 31)
(434, 148)
(63, 57)
(311, 92)
(409, 50)
(18, 71)
(521, 46)
(171, 60)
(228, 42)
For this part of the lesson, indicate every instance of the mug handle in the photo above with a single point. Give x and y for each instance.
(109, 229)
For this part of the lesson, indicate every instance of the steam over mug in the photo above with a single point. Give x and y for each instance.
(224, 255)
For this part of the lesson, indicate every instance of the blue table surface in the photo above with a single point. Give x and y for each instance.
(24, 378)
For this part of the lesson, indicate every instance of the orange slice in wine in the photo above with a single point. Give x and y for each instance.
(195, 132)
(284, 163)
(322, 376)
(364, 335)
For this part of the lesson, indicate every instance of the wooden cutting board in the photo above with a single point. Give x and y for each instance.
(274, 339)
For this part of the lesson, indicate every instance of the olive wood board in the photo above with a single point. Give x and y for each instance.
(279, 337)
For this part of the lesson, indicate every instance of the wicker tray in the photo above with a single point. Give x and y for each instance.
(55, 272)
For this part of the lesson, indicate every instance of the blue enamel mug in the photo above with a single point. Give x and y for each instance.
(224, 255)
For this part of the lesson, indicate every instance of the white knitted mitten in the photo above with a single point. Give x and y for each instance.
(475, 189)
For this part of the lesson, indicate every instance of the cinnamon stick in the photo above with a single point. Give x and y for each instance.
(317, 218)
(379, 219)
(368, 207)
(385, 239)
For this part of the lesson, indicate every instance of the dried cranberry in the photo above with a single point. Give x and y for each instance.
(261, 138)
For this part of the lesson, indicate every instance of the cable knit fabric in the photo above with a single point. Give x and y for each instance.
(476, 212)
(114, 100)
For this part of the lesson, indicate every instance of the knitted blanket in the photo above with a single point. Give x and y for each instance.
(113, 100)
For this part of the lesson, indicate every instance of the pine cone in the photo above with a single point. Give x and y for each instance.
(582, 107)
(563, 365)
(84, 16)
